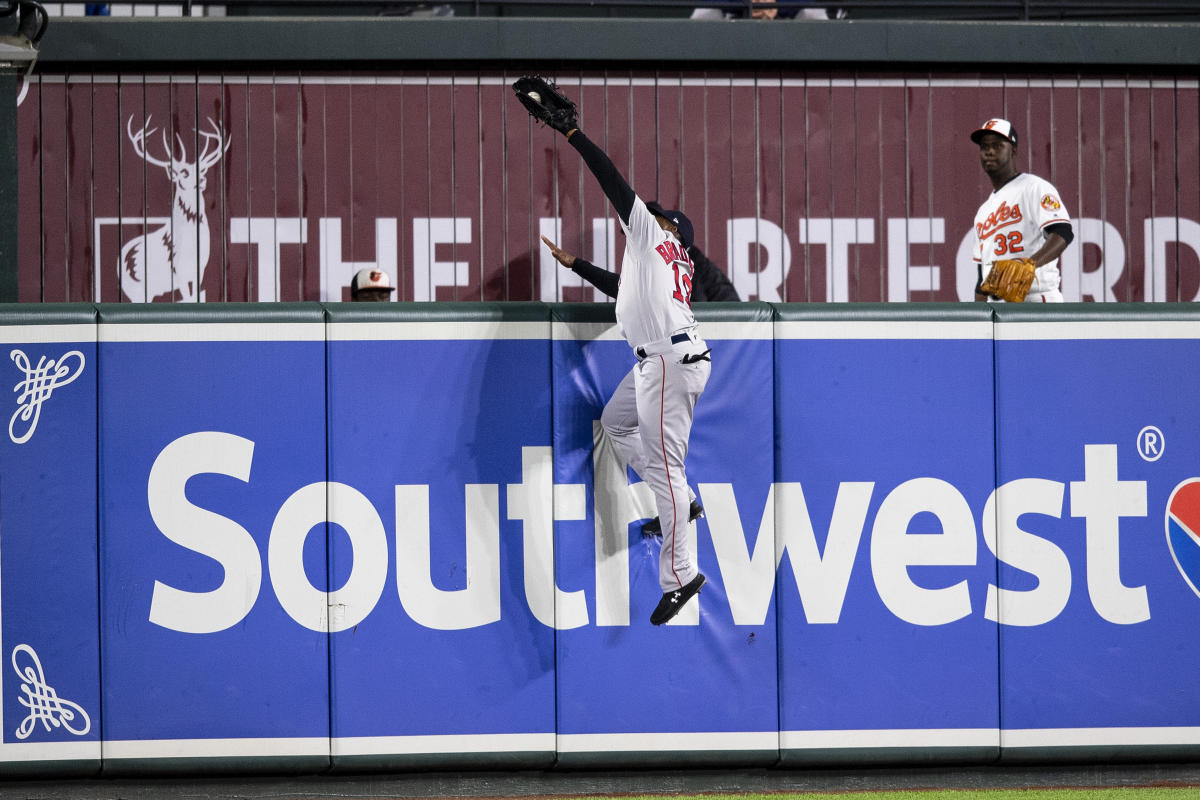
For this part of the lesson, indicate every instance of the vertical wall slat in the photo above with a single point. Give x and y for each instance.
(30, 235)
(777, 158)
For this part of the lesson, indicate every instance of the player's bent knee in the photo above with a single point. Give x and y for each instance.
(618, 431)
(616, 424)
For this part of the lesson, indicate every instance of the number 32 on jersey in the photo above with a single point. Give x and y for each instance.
(1007, 243)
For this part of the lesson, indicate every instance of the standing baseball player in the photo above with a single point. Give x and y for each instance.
(649, 416)
(1022, 227)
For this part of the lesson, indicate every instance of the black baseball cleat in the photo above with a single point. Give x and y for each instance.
(671, 602)
(654, 527)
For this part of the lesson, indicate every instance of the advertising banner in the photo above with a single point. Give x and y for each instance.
(213, 537)
(440, 503)
(397, 536)
(701, 689)
(803, 185)
(883, 433)
(1096, 515)
(49, 596)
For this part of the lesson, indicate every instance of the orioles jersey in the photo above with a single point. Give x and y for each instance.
(656, 281)
(1012, 222)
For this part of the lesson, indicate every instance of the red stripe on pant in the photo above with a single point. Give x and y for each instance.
(662, 437)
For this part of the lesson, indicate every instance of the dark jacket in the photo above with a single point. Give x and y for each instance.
(709, 283)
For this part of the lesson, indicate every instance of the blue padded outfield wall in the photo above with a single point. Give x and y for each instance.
(390, 536)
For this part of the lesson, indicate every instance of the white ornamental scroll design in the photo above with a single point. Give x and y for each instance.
(44, 704)
(36, 387)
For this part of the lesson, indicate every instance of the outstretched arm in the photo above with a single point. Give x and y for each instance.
(607, 282)
(619, 193)
(547, 104)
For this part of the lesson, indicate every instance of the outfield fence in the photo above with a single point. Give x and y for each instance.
(354, 537)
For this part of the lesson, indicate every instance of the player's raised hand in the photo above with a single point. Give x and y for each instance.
(560, 255)
(546, 103)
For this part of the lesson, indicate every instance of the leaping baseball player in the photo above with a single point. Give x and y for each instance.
(1022, 227)
(649, 416)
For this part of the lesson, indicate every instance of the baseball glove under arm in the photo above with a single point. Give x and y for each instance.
(545, 103)
(1009, 279)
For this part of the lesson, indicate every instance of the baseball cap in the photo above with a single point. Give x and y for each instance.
(1000, 126)
(680, 220)
(371, 278)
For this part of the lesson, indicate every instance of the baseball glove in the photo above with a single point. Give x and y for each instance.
(1009, 279)
(545, 103)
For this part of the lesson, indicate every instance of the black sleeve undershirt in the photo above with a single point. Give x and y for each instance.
(607, 282)
(1063, 229)
(619, 193)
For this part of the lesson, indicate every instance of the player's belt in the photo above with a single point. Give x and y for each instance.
(675, 339)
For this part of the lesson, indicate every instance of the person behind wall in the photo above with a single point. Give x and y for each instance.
(371, 285)
(709, 283)
(788, 9)
(1023, 217)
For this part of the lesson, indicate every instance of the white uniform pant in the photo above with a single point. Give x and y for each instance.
(649, 420)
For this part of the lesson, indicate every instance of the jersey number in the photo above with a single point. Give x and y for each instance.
(1009, 243)
(683, 286)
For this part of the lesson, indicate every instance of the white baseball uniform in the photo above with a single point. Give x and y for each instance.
(1011, 223)
(649, 416)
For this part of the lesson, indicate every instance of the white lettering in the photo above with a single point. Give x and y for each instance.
(204, 532)
(1101, 499)
(551, 274)
(337, 274)
(904, 277)
(428, 272)
(604, 244)
(1027, 552)
(747, 570)
(966, 271)
(1096, 284)
(554, 278)
(822, 579)
(748, 565)
(268, 235)
(894, 550)
(449, 609)
(836, 234)
(755, 278)
(1161, 234)
(308, 507)
(537, 501)
(749, 240)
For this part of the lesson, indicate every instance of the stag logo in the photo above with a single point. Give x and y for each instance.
(170, 261)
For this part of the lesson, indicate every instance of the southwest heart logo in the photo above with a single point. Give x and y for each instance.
(1183, 530)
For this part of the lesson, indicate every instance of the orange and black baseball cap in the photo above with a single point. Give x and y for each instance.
(371, 278)
(998, 126)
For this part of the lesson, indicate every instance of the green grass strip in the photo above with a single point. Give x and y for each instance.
(1112, 793)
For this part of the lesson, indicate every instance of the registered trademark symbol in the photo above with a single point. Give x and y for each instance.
(1150, 443)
